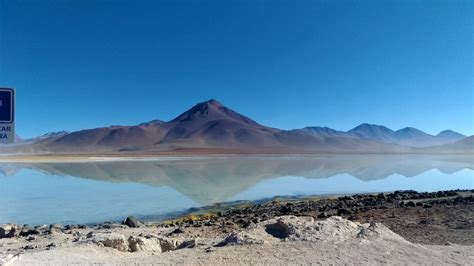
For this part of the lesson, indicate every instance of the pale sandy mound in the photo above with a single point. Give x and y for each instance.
(285, 240)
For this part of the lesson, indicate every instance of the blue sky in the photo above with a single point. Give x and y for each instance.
(287, 64)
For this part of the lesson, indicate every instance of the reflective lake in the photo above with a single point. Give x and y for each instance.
(98, 191)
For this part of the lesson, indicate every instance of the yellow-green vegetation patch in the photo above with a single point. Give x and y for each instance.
(191, 217)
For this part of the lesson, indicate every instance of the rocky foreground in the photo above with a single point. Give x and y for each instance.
(400, 227)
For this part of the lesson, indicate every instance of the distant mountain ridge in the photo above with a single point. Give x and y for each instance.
(50, 135)
(210, 125)
(407, 136)
(465, 145)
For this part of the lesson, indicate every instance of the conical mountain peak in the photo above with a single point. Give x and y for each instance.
(212, 110)
(213, 102)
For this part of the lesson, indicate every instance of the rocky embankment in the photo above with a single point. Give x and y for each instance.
(428, 217)
(399, 221)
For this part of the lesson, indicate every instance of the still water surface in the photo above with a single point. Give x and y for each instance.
(93, 192)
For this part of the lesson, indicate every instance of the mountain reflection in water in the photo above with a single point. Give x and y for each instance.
(209, 180)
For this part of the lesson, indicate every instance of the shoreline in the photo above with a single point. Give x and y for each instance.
(437, 221)
(112, 157)
(237, 205)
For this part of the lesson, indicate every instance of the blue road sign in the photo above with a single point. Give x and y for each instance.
(7, 102)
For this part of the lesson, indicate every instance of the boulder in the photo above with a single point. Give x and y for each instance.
(131, 221)
(56, 226)
(168, 244)
(144, 244)
(42, 229)
(28, 230)
(8, 230)
(111, 240)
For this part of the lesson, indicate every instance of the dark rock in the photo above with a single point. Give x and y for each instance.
(238, 238)
(410, 204)
(346, 198)
(424, 221)
(286, 210)
(28, 230)
(110, 226)
(323, 215)
(178, 230)
(187, 244)
(230, 223)
(243, 222)
(353, 218)
(344, 211)
(405, 192)
(71, 226)
(131, 222)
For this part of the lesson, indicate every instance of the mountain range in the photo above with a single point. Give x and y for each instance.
(212, 127)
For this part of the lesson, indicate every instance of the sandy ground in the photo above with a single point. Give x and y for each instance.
(282, 241)
(280, 254)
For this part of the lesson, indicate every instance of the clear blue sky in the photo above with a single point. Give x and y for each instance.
(287, 64)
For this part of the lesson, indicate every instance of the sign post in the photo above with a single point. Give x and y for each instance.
(7, 115)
